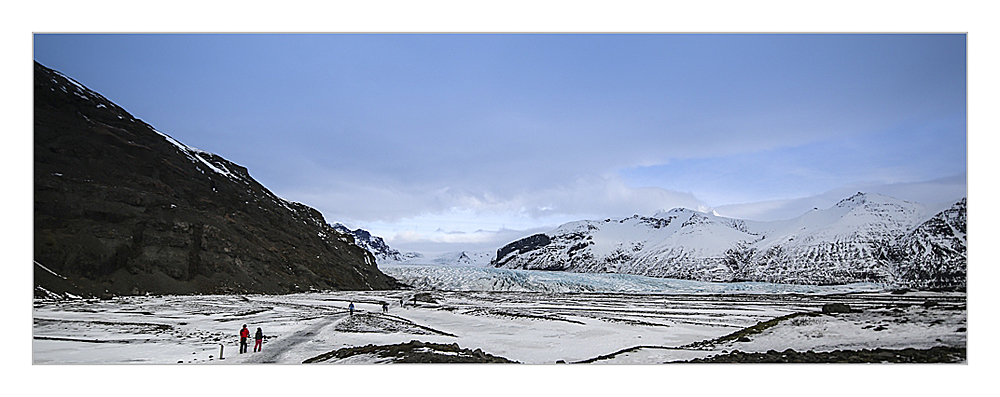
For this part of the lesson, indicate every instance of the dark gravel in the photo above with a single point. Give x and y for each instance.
(939, 354)
(414, 352)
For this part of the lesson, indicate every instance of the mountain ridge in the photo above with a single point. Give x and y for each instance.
(861, 238)
(373, 244)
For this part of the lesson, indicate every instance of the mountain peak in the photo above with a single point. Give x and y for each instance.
(853, 201)
(872, 200)
(372, 243)
(663, 214)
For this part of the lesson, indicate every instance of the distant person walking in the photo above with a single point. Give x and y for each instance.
(385, 307)
(244, 334)
(351, 308)
(258, 339)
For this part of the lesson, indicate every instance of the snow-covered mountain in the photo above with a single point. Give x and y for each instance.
(456, 258)
(866, 237)
(386, 255)
(373, 244)
(934, 253)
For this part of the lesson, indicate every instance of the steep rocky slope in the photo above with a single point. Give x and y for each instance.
(933, 254)
(121, 208)
(866, 237)
(372, 243)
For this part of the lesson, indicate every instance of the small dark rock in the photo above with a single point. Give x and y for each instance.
(743, 339)
(962, 329)
(830, 308)
(424, 297)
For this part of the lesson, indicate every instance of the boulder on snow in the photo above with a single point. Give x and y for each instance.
(831, 308)
(424, 297)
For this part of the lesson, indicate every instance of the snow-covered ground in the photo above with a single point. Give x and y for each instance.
(528, 327)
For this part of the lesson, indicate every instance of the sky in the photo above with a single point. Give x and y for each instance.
(444, 142)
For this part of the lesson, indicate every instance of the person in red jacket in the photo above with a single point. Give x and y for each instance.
(244, 334)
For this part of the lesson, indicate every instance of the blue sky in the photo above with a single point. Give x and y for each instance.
(443, 142)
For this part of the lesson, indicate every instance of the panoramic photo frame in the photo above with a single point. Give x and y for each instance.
(866, 129)
(355, 225)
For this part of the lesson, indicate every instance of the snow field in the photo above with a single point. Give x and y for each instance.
(528, 327)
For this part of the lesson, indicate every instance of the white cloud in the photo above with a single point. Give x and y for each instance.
(938, 191)
(463, 219)
(487, 223)
(600, 196)
(440, 242)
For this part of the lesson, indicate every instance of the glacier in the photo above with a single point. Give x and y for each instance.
(486, 279)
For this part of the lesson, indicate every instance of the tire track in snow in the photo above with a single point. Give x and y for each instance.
(275, 350)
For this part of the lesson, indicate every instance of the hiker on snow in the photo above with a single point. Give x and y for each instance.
(351, 308)
(385, 307)
(244, 334)
(258, 338)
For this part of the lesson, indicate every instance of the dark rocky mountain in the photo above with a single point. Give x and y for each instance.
(866, 237)
(120, 208)
(374, 244)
